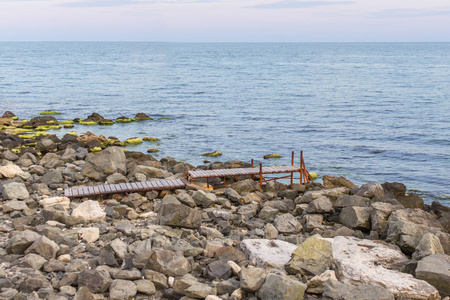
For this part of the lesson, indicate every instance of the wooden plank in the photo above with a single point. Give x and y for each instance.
(139, 185)
(146, 185)
(107, 188)
(157, 184)
(102, 190)
(117, 187)
(134, 186)
(96, 190)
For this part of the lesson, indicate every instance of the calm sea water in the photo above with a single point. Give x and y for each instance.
(368, 112)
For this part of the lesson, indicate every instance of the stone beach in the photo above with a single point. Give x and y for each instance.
(330, 240)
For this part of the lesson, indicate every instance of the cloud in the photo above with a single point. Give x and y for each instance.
(111, 3)
(297, 4)
(409, 13)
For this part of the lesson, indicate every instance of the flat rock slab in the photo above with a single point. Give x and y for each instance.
(367, 262)
(268, 253)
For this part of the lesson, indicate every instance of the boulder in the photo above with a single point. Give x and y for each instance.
(287, 223)
(52, 177)
(149, 172)
(428, 245)
(89, 211)
(252, 278)
(394, 189)
(321, 205)
(44, 247)
(204, 199)
(119, 247)
(90, 235)
(316, 284)
(179, 215)
(313, 257)
(84, 293)
(332, 194)
(122, 290)
(364, 262)
(33, 261)
(268, 253)
(64, 201)
(281, 287)
(145, 287)
(246, 186)
(219, 269)
(199, 291)
(411, 201)
(335, 290)
(106, 162)
(10, 171)
(15, 190)
(98, 281)
(14, 205)
(21, 241)
(311, 222)
(350, 200)
(379, 214)
(355, 217)
(435, 269)
(169, 263)
(335, 182)
(373, 191)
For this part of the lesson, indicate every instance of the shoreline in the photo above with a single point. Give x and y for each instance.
(238, 242)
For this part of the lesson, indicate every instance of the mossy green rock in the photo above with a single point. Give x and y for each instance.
(132, 141)
(150, 139)
(106, 122)
(124, 120)
(313, 257)
(313, 175)
(66, 122)
(49, 112)
(212, 154)
(88, 123)
(68, 126)
(152, 150)
(164, 118)
(273, 155)
(47, 127)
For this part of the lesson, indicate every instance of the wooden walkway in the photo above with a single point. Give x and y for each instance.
(126, 187)
(242, 171)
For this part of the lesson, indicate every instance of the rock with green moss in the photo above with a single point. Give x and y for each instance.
(48, 127)
(106, 122)
(133, 141)
(124, 120)
(152, 150)
(164, 118)
(212, 154)
(74, 133)
(68, 126)
(66, 122)
(49, 112)
(142, 116)
(150, 139)
(313, 257)
(8, 114)
(33, 136)
(88, 123)
(113, 141)
(95, 149)
(273, 155)
(313, 175)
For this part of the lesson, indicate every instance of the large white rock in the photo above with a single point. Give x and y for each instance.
(89, 234)
(10, 171)
(64, 201)
(268, 253)
(367, 262)
(89, 211)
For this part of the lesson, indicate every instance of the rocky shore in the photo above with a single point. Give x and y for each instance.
(316, 241)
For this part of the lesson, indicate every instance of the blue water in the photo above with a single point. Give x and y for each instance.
(368, 112)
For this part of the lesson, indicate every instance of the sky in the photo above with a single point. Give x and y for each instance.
(226, 20)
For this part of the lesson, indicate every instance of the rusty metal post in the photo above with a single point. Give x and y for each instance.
(207, 182)
(301, 167)
(260, 175)
(224, 181)
(292, 173)
(253, 177)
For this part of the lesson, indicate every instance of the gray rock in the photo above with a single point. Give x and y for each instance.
(287, 223)
(133, 200)
(227, 286)
(33, 261)
(15, 190)
(332, 194)
(281, 288)
(133, 274)
(52, 177)
(271, 253)
(379, 214)
(54, 265)
(149, 172)
(435, 269)
(204, 199)
(96, 281)
(109, 161)
(350, 200)
(14, 205)
(33, 283)
(411, 201)
(186, 199)
(46, 145)
(335, 290)
(313, 257)
(125, 227)
(44, 247)
(246, 186)
(69, 155)
(119, 247)
(270, 232)
(21, 241)
(145, 287)
(428, 245)
(51, 161)
(179, 215)
(335, 182)
(321, 205)
(218, 269)
(199, 291)
(355, 217)
(268, 212)
(84, 293)
(232, 194)
(312, 222)
(122, 290)
(169, 263)
(159, 279)
(89, 211)
(373, 191)
(116, 178)
(252, 278)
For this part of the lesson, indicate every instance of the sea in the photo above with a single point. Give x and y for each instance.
(371, 112)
